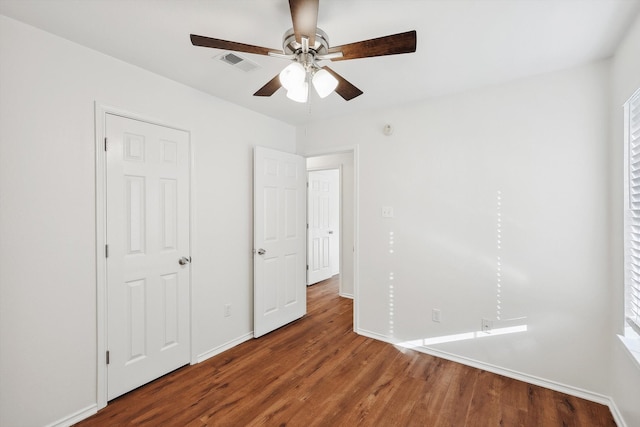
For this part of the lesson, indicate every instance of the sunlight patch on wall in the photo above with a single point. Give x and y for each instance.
(425, 342)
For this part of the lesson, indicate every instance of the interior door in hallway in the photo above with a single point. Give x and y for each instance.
(323, 220)
(148, 263)
(279, 239)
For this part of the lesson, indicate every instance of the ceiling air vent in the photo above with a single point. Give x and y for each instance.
(238, 61)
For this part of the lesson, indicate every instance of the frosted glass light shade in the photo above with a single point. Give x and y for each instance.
(299, 93)
(324, 83)
(293, 75)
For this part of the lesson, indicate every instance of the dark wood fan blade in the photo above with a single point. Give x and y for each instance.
(270, 88)
(344, 89)
(388, 45)
(304, 15)
(227, 45)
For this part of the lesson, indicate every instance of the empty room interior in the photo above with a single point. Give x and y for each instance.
(461, 175)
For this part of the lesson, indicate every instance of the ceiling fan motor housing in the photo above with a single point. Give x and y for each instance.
(291, 47)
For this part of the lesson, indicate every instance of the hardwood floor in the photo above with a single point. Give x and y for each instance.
(318, 372)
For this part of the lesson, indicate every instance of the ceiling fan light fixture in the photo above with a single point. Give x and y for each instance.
(304, 44)
(324, 83)
(299, 92)
(292, 76)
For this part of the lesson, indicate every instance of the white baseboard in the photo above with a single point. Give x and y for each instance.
(75, 417)
(224, 347)
(343, 295)
(373, 335)
(617, 416)
(531, 379)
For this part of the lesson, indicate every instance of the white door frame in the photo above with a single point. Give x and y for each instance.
(101, 111)
(356, 214)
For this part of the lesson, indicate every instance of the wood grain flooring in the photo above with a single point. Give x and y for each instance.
(318, 372)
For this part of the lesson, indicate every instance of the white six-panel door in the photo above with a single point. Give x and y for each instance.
(147, 236)
(321, 228)
(279, 239)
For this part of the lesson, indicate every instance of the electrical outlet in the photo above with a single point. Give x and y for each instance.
(487, 325)
(227, 310)
(436, 315)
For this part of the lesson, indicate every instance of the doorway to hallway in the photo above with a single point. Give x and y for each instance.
(343, 227)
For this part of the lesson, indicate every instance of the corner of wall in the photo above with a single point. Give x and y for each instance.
(624, 374)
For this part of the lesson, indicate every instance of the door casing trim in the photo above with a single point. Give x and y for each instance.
(101, 111)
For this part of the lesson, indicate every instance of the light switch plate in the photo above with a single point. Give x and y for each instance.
(387, 212)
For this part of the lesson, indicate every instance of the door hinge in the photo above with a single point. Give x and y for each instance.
(307, 226)
(105, 143)
(307, 267)
(107, 357)
(106, 251)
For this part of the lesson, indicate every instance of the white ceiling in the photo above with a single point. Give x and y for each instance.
(462, 44)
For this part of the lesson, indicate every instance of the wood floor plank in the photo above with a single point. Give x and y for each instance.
(462, 388)
(318, 372)
(370, 389)
(484, 406)
(438, 377)
(398, 409)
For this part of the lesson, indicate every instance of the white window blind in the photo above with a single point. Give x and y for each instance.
(632, 214)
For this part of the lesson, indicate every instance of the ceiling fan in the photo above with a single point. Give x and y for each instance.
(305, 44)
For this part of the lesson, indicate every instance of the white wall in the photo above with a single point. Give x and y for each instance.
(345, 161)
(542, 143)
(625, 80)
(47, 213)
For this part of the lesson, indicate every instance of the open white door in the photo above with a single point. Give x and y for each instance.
(279, 277)
(322, 232)
(148, 252)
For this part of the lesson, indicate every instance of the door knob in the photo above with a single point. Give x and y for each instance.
(330, 231)
(184, 260)
(261, 251)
